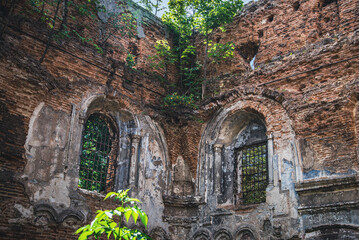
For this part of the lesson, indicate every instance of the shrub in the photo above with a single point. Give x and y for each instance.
(174, 100)
(110, 222)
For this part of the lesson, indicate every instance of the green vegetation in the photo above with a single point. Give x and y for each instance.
(175, 100)
(110, 222)
(186, 19)
(130, 60)
(219, 52)
(68, 18)
(153, 6)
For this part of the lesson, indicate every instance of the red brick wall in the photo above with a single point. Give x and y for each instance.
(62, 79)
(320, 103)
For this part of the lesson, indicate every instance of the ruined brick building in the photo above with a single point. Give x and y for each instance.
(295, 111)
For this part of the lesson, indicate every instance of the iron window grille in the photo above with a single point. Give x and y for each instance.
(97, 154)
(252, 172)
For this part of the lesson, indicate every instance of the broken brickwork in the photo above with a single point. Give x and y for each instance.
(295, 72)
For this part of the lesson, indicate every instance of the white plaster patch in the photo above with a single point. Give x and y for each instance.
(25, 212)
(55, 192)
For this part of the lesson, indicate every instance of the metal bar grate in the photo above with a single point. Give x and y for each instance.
(254, 173)
(95, 155)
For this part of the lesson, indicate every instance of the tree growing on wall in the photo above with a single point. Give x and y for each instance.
(153, 6)
(186, 19)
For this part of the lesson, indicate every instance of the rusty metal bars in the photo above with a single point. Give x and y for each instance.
(95, 154)
(254, 173)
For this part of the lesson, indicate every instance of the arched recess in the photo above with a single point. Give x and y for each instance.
(202, 234)
(246, 232)
(222, 135)
(222, 234)
(53, 148)
(140, 138)
(126, 125)
(142, 161)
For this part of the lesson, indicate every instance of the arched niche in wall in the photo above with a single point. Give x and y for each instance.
(222, 234)
(240, 169)
(141, 160)
(45, 175)
(245, 122)
(246, 232)
(124, 125)
(202, 234)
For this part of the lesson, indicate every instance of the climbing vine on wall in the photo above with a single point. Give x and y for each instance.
(93, 24)
(80, 19)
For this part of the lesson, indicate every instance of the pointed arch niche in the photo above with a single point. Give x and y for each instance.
(248, 144)
(141, 154)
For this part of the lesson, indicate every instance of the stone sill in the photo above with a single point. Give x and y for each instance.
(91, 193)
(241, 208)
(180, 221)
(182, 201)
(325, 184)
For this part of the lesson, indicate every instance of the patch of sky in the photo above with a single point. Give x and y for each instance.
(252, 62)
(164, 3)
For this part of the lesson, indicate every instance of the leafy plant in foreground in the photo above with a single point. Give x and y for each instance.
(110, 222)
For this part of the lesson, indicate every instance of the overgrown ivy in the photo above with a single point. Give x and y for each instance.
(78, 18)
(188, 20)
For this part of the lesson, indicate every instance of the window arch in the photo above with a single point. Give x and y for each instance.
(239, 165)
(98, 153)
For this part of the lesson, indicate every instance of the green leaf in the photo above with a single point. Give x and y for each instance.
(110, 194)
(135, 215)
(104, 223)
(128, 214)
(84, 235)
(109, 234)
(113, 225)
(82, 229)
(133, 200)
(144, 218)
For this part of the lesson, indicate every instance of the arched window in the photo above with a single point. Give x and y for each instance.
(98, 154)
(251, 164)
(240, 169)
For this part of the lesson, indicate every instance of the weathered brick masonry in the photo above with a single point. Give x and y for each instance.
(303, 87)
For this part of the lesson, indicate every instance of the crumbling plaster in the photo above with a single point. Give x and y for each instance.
(283, 159)
(303, 88)
(51, 173)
